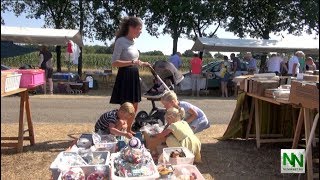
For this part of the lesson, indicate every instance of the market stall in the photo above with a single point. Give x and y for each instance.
(276, 109)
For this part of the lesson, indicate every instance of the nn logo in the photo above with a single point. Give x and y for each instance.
(292, 161)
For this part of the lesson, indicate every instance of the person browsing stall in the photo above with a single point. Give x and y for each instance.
(195, 117)
(45, 63)
(236, 65)
(115, 121)
(310, 65)
(274, 64)
(195, 69)
(176, 60)
(126, 57)
(294, 63)
(225, 76)
(252, 66)
(179, 133)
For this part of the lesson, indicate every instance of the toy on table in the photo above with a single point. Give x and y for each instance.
(134, 160)
(98, 174)
(74, 173)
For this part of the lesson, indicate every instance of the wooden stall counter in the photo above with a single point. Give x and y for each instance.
(24, 105)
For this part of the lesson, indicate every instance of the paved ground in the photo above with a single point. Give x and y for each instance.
(86, 109)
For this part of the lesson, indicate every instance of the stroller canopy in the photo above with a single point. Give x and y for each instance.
(166, 69)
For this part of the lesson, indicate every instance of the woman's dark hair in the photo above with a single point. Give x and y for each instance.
(225, 57)
(126, 23)
(195, 55)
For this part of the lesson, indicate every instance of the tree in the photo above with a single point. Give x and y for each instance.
(260, 18)
(202, 15)
(172, 14)
(153, 53)
(305, 17)
(56, 13)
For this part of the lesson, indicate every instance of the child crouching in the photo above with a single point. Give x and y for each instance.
(179, 133)
(115, 121)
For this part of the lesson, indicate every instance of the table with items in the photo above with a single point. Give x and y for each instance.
(16, 81)
(275, 108)
(98, 156)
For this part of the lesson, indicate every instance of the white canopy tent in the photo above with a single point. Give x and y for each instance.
(255, 45)
(45, 36)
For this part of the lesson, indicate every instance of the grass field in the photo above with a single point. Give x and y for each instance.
(90, 61)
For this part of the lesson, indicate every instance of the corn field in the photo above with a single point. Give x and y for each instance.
(90, 61)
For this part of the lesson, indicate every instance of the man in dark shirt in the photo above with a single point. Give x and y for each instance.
(236, 65)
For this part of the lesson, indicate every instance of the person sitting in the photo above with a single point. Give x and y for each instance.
(196, 118)
(179, 133)
(310, 65)
(115, 121)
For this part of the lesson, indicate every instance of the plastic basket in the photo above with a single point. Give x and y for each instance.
(31, 77)
(188, 167)
(87, 169)
(156, 175)
(181, 160)
(110, 146)
(12, 82)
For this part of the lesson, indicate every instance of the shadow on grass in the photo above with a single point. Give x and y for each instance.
(240, 159)
(46, 146)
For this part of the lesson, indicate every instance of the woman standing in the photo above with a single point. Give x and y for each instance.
(126, 58)
(225, 76)
(45, 63)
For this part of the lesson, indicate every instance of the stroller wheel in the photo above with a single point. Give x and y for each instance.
(142, 115)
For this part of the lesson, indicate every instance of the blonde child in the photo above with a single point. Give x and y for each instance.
(115, 121)
(179, 133)
(195, 117)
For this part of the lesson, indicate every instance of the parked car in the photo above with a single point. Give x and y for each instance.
(212, 68)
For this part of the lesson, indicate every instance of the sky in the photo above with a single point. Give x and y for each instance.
(146, 42)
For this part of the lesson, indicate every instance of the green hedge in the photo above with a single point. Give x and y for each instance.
(90, 61)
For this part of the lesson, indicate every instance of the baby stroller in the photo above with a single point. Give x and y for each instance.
(166, 76)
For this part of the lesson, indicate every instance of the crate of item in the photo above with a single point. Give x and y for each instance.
(105, 142)
(66, 160)
(31, 77)
(186, 171)
(305, 94)
(10, 81)
(178, 155)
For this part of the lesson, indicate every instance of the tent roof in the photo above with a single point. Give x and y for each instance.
(255, 45)
(40, 35)
(8, 49)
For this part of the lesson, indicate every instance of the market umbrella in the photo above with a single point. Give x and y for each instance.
(9, 49)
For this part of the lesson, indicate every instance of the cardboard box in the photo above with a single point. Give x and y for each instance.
(259, 86)
(308, 77)
(305, 94)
